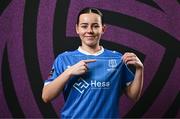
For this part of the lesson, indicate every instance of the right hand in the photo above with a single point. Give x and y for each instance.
(80, 68)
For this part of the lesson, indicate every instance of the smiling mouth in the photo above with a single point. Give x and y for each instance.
(89, 36)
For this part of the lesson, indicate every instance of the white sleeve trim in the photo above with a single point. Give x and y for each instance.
(128, 83)
(46, 83)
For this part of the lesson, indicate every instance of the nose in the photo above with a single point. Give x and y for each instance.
(90, 30)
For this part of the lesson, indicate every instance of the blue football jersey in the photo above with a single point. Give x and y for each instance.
(96, 93)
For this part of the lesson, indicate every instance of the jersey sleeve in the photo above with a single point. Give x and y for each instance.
(128, 76)
(56, 70)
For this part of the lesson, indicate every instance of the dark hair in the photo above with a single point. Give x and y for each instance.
(90, 10)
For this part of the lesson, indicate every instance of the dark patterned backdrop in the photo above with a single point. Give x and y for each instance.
(34, 32)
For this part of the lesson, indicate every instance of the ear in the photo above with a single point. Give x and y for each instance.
(77, 30)
(103, 28)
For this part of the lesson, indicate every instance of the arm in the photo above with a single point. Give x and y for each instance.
(133, 91)
(52, 90)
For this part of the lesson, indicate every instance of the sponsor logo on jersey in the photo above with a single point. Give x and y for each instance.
(82, 85)
(99, 84)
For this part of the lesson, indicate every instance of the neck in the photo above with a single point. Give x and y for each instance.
(91, 50)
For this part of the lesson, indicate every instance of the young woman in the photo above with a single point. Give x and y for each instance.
(92, 77)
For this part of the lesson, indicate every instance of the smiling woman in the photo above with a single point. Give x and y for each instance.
(93, 72)
(90, 28)
(33, 32)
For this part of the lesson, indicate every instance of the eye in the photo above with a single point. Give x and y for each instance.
(83, 27)
(96, 26)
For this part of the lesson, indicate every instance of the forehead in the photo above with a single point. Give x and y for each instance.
(89, 17)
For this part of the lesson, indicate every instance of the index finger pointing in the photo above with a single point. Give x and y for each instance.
(89, 60)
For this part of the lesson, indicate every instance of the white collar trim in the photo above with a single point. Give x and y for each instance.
(87, 53)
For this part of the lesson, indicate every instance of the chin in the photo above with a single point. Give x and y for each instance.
(91, 44)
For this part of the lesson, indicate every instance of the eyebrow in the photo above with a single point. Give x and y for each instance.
(87, 23)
